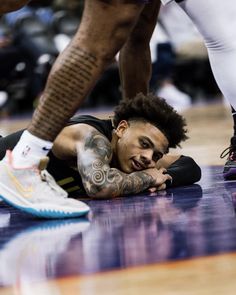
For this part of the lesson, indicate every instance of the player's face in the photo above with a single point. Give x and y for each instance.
(140, 145)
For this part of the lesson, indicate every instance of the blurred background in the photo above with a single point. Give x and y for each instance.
(32, 37)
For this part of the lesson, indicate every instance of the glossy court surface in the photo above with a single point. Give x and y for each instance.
(179, 241)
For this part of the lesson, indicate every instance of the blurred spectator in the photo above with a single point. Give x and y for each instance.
(191, 72)
(163, 62)
(73, 6)
(182, 33)
(42, 29)
(9, 58)
(181, 69)
(30, 57)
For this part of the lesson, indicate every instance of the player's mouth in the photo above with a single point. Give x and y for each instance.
(137, 166)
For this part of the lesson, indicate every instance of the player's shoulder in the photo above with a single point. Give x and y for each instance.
(78, 131)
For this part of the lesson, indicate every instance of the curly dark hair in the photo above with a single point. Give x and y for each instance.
(155, 110)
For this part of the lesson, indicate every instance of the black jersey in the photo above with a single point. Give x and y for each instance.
(68, 178)
(184, 171)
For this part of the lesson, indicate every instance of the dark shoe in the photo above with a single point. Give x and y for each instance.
(229, 172)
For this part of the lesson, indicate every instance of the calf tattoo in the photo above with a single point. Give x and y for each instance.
(99, 179)
(68, 84)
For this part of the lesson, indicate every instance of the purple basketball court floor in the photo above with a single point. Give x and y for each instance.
(177, 224)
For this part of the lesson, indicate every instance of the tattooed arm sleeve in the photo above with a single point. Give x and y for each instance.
(99, 179)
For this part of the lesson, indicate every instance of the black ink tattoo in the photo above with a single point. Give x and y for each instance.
(99, 179)
(65, 91)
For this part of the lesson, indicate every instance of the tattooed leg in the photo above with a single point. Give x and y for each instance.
(104, 28)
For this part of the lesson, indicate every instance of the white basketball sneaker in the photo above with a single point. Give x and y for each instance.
(33, 190)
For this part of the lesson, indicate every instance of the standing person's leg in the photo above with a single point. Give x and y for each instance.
(135, 59)
(215, 20)
(104, 29)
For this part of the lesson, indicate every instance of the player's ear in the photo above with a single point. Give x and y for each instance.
(121, 128)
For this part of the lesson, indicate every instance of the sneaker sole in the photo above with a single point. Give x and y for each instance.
(42, 212)
(47, 213)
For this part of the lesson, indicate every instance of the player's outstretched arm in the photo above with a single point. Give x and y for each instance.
(183, 169)
(100, 180)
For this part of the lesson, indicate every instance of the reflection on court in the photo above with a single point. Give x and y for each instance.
(182, 241)
(181, 223)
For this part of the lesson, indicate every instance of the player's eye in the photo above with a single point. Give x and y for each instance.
(157, 156)
(144, 144)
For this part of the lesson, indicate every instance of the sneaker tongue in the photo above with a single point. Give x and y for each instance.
(43, 163)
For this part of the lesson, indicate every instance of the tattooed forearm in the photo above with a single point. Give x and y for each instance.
(102, 181)
(113, 183)
(72, 77)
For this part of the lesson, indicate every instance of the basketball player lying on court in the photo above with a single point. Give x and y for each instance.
(92, 156)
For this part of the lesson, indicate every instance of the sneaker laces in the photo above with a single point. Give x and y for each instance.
(45, 176)
(229, 151)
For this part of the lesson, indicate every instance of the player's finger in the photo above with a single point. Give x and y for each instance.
(161, 187)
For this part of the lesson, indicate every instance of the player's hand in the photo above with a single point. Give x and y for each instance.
(155, 189)
(160, 177)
